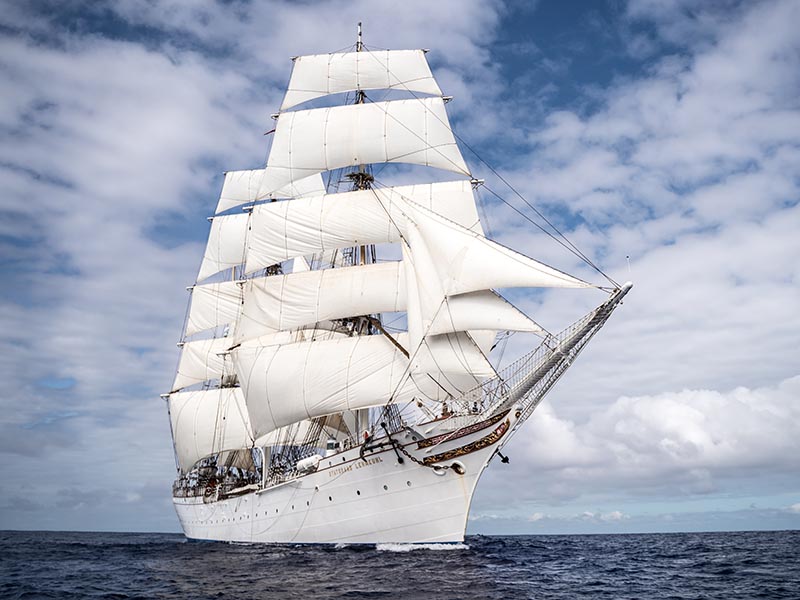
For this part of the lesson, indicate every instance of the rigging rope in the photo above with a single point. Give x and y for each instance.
(566, 242)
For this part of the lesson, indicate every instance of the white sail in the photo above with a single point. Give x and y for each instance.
(295, 300)
(287, 383)
(208, 421)
(484, 338)
(213, 305)
(466, 261)
(481, 310)
(226, 244)
(283, 230)
(455, 357)
(245, 187)
(296, 431)
(402, 131)
(300, 264)
(298, 299)
(322, 74)
(201, 361)
(453, 200)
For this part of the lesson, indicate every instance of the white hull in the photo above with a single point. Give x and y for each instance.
(348, 499)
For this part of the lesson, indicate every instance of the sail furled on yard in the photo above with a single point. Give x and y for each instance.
(323, 74)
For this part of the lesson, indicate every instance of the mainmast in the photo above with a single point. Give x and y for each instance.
(362, 178)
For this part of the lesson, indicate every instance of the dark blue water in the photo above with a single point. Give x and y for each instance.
(131, 565)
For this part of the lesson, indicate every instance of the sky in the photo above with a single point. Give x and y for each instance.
(663, 137)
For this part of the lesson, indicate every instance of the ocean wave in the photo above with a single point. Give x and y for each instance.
(410, 547)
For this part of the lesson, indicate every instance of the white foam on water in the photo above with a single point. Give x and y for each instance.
(410, 547)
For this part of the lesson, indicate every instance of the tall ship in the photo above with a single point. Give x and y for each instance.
(335, 381)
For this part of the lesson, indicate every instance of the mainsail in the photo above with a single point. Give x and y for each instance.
(285, 323)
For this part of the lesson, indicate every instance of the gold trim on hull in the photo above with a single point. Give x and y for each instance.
(488, 440)
(464, 431)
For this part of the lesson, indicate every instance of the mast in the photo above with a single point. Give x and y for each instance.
(362, 180)
(361, 183)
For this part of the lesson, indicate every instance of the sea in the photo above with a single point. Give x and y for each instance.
(643, 566)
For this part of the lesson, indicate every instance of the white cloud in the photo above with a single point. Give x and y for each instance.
(670, 446)
(602, 517)
(614, 515)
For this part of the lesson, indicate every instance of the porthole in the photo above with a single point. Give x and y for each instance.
(308, 503)
(292, 506)
(408, 483)
(358, 492)
(330, 498)
(386, 487)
